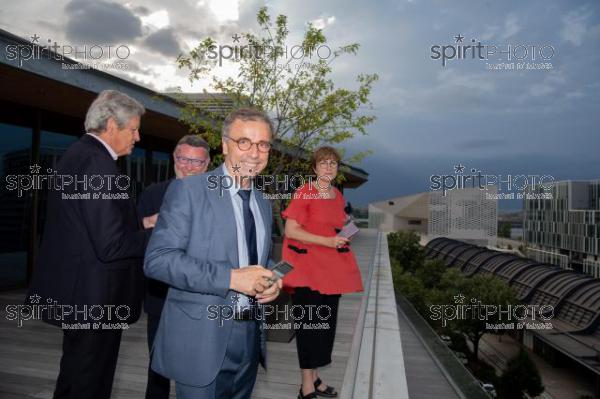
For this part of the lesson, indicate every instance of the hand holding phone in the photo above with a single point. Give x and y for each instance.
(282, 268)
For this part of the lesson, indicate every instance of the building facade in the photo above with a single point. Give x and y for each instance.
(410, 212)
(465, 214)
(562, 225)
(462, 214)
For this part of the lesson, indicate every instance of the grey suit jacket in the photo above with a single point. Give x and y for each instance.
(193, 249)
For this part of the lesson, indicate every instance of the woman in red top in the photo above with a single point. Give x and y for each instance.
(324, 268)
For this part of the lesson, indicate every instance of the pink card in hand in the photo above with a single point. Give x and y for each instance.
(348, 230)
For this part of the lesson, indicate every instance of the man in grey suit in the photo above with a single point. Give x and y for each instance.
(211, 239)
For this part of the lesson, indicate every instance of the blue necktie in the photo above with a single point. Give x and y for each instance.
(250, 230)
(249, 227)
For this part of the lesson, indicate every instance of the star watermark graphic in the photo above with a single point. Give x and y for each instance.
(459, 298)
(236, 168)
(35, 298)
(235, 298)
(35, 168)
(459, 38)
(236, 38)
(459, 168)
(35, 38)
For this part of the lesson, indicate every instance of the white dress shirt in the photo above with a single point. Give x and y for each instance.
(112, 152)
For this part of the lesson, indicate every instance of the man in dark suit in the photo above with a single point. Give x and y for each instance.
(89, 262)
(209, 245)
(191, 157)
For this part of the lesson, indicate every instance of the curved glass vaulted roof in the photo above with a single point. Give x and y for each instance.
(582, 307)
(434, 246)
(467, 255)
(478, 261)
(575, 296)
(514, 267)
(530, 279)
(497, 263)
(556, 288)
(455, 252)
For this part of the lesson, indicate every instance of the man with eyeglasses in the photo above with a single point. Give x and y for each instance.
(191, 157)
(210, 246)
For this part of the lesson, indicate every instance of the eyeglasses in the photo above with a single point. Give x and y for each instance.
(195, 162)
(244, 144)
(324, 164)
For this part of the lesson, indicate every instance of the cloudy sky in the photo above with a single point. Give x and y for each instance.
(429, 117)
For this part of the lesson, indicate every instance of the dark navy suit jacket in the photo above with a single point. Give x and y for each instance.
(148, 205)
(92, 248)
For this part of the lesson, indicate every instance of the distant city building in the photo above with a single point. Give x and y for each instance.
(410, 212)
(564, 228)
(466, 215)
(462, 214)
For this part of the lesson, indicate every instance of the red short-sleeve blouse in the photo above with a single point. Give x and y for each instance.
(317, 267)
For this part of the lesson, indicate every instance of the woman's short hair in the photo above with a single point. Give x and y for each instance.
(111, 104)
(325, 153)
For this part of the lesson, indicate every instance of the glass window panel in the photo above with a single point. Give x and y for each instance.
(15, 154)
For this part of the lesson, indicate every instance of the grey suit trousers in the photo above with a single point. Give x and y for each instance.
(236, 378)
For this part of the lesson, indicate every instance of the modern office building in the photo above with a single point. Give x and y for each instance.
(462, 214)
(562, 225)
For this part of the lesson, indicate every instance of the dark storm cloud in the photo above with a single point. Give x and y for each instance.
(408, 174)
(164, 42)
(481, 143)
(141, 10)
(101, 21)
(429, 117)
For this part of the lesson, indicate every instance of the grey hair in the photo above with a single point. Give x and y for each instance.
(111, 104)
(195, 140)
(245, 114)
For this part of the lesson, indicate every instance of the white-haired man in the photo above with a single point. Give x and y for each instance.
(89, 262)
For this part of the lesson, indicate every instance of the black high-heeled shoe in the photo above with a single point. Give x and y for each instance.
(328, 392)
(311, 395)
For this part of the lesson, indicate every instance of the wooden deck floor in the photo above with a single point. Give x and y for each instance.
(30, 355)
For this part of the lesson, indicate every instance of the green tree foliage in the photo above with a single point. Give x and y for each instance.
(429, 282)
(430, 274)
(295, 88)
(405, 248)
(412, 289)
(483, 290)
(521, 376)
(504, 230)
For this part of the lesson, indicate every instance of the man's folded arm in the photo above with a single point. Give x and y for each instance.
(166, 257)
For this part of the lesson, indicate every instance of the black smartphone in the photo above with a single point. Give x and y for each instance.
(281, 268)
